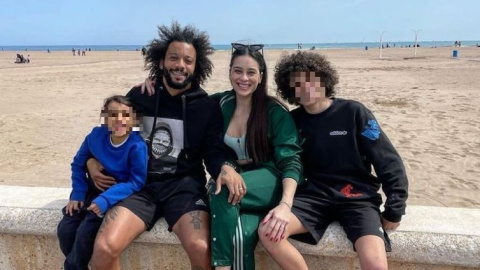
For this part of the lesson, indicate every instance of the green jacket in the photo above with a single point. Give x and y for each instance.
(282, 136)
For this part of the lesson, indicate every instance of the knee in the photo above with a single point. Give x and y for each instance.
(374, 265)
(377, 267)
(63, 231)
(66, 230)
(106, 247)
(197, 246)
(264, 238)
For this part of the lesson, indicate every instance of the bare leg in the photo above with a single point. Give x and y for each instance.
(193, 230)
(119, 228)
(284, 253)
(371, 252)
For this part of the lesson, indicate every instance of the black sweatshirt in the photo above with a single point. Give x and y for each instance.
(340, 145)
(187, 132)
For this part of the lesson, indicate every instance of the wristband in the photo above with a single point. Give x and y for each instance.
(230, 164)
(286, 204)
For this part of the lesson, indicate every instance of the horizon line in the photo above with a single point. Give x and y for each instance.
(228, 44)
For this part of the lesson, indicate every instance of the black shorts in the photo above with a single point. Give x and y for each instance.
(170, 199)
(358, 218)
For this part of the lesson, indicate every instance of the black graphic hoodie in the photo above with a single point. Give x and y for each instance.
(186, 132)
(340, 146)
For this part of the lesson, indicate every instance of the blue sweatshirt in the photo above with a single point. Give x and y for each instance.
(126, 163)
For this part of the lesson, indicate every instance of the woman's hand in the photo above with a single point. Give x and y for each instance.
(73, 206)
(277, 221)
(234, 182)
(100, 180)
(149, 85)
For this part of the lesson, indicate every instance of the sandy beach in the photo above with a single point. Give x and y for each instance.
(429, 106)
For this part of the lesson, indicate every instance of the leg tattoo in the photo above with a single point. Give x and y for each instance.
(109, 217)
(196, 221)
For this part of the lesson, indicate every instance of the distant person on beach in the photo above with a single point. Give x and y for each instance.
(175, 189)
(20, 59)
(123, 155)
(341, 141)
(73, 51)
(144, 51)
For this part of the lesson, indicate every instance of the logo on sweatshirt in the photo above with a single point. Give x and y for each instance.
(371, 130)
(338, 133)
(347, 192)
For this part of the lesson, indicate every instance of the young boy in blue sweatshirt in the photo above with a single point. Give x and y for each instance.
(123, 154)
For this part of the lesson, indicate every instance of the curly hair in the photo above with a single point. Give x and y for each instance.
(303, 61)
(157, 48)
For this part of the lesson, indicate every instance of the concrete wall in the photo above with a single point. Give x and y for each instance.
(429, 238)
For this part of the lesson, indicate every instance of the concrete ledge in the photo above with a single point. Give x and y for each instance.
(429, 238)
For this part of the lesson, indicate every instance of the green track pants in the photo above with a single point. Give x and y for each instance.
(234, 227)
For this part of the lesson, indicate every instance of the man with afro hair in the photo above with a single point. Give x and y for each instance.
(182, 127)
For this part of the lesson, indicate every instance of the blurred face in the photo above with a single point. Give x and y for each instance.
(309, 88)
(179, 65)
(119, 118)
(245, 75)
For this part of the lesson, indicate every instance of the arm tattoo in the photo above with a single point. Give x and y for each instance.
(223, 173)
(109, 217)
(196, 221)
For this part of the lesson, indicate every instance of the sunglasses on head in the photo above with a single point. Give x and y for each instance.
(252, 47)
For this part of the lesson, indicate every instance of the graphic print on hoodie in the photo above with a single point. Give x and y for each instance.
(166, 145)
(187, 132)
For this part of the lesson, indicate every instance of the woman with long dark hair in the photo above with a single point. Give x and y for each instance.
(261, 138)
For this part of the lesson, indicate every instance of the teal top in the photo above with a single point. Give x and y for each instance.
(237, 145)
(282, 136)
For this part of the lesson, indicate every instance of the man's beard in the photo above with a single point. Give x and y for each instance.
(176, 85)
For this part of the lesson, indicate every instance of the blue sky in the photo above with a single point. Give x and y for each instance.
(134, 22)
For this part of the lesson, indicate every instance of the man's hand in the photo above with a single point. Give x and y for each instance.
(73, 206)
(388, 225)
(148, 85)
(100, 180)
(94, 208)
(234, 182)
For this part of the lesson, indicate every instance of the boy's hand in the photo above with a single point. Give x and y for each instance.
(388, 225)
(94, 208)
(73, 206)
